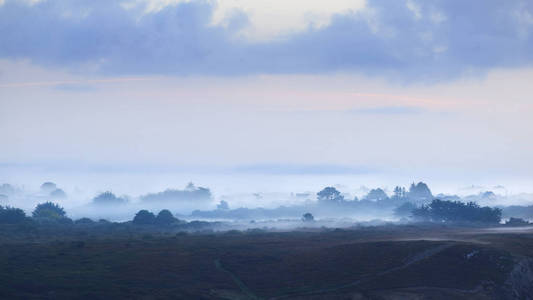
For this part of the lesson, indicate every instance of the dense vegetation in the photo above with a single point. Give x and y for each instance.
(11, 215)
(190, 193)
(455, 211)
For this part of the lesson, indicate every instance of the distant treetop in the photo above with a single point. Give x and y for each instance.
(48, 187)
(308, 217)
(455, 211)
(420, 193)
(223, 205)
(329, 194)
(144, 217)
(108, 198)
(49, 210)
(376, 195)
(6, 189)
(58, 193)
(11, 215)
(190, 193)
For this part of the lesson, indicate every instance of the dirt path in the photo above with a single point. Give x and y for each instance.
(237, 281)
(416, 258)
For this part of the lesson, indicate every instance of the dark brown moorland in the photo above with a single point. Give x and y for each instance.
(383, 262)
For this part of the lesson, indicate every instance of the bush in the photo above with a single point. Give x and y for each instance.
(144, 217)
(11, 215)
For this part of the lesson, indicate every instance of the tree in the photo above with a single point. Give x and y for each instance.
(223, 205)
(308, 217)
(455, 211)
(376, 195)
(11, 215)
(399, 193)
(144, 217)
(329, 195)
(48, 210)
(108, 198)
(48, 187)
(517, 222)
(419, 193)
(404, 210)
(190, 193)
(7, 189)
(164, 217)
(58, 193)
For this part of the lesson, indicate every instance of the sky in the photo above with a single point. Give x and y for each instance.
(266, 95)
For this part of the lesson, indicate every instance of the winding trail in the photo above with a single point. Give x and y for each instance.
(237, 281)
(414, 259)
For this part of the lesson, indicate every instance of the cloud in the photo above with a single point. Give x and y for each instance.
(404, 41)
(390, 110)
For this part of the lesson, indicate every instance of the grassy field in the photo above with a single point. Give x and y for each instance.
(386, 262)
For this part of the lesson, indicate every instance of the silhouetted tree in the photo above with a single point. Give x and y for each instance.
(517, 222)
(308, 217)
(48, 187)
(376, 195)
(164, 217)
(11, 215)
(399, 193)
(7, 189)
(144, 217)
(419, 193)
(404, 210)
(108, 198)
(455, 211)
(48, 210)
(190, 193)
(58, 193)
(223, 205)
(329, 195)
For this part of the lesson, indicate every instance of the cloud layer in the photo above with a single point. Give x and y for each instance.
(413, 40)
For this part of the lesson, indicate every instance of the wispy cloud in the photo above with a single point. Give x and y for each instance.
(389, 110)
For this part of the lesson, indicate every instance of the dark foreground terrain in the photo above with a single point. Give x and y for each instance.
(385, 262)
